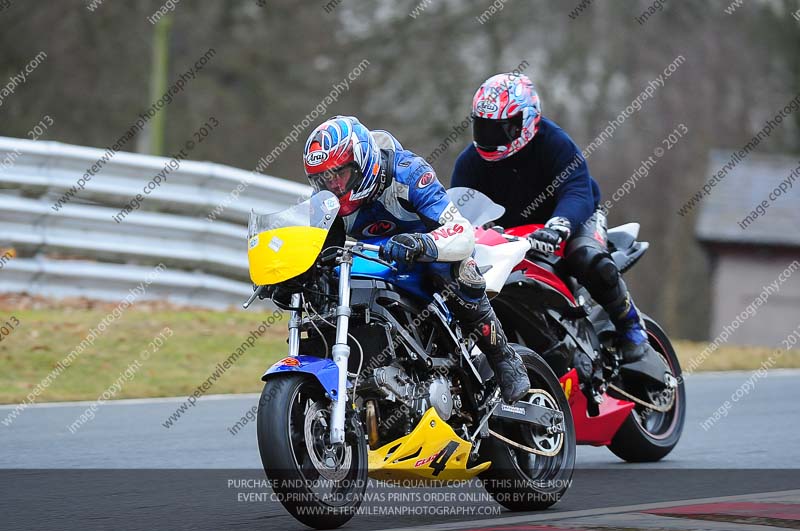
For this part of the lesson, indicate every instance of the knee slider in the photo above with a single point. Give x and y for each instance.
(594, 267)
(469, 278)
(469, 286)
(606, 271)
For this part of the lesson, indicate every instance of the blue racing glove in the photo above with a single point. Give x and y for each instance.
(405, 249)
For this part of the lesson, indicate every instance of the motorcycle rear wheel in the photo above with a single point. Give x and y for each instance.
(647, 436)
(519, 480)
(320, 485)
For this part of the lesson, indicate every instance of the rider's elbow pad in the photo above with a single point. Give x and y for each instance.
(454, 241)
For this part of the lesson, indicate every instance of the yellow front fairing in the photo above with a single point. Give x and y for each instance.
(279, 254)
(432, 451)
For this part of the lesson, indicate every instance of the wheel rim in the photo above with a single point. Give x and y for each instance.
(537, 436)
(659, 425)
(538, 468)
(331, 462)
(329, 473)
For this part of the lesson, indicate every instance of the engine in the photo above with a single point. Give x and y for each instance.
(396, 385)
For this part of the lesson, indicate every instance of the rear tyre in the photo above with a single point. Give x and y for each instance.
(517, 479)
(320, 485)
(647, 435)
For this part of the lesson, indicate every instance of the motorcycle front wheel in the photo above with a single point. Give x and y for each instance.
(320, 484)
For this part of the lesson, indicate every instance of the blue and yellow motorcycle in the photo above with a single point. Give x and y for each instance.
(380, 381)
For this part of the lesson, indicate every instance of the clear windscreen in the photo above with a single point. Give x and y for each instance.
(318, 211)
(475, 206)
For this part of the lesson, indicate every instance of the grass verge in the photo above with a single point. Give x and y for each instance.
(200, 340)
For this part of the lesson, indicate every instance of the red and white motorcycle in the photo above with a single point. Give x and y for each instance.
(545, 309)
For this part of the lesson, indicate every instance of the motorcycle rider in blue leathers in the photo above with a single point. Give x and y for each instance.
(530, 166)
(385, 190)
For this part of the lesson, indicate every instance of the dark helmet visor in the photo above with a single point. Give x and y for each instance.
(489, 134)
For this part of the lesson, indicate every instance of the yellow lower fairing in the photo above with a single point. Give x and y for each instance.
(280, 254)
(432, 451)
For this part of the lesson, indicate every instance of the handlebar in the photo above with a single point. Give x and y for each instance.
(357, 246)
(527, 239)
(366, 246)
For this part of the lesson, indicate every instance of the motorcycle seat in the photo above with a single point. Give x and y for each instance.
(625, 249)
(624, 236)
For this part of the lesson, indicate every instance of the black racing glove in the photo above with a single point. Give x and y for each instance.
(547, 239)
(406, 249)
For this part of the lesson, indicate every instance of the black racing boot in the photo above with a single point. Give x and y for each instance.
(506, 364)
(637, 354)
(510, 372)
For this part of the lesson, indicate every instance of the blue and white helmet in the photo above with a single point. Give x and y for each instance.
(341, 156)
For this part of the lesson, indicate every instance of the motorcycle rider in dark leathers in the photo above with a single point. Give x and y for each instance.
(529, 165)
(385, 190)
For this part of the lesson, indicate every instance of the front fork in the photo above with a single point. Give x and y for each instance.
(341, 350)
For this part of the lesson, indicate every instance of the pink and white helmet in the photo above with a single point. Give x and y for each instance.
(506, 113)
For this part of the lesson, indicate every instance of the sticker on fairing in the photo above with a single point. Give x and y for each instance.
(331, 203)
(275, 244)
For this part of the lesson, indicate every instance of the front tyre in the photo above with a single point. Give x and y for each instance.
(648, 435)
(520, 480)
(321, 485)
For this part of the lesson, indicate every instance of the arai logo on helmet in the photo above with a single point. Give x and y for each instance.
(486, 106)
(315, 158)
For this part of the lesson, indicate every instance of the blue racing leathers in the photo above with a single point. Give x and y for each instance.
(412, 200)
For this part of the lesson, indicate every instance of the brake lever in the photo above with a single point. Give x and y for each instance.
(327, 256)
(255, 294)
